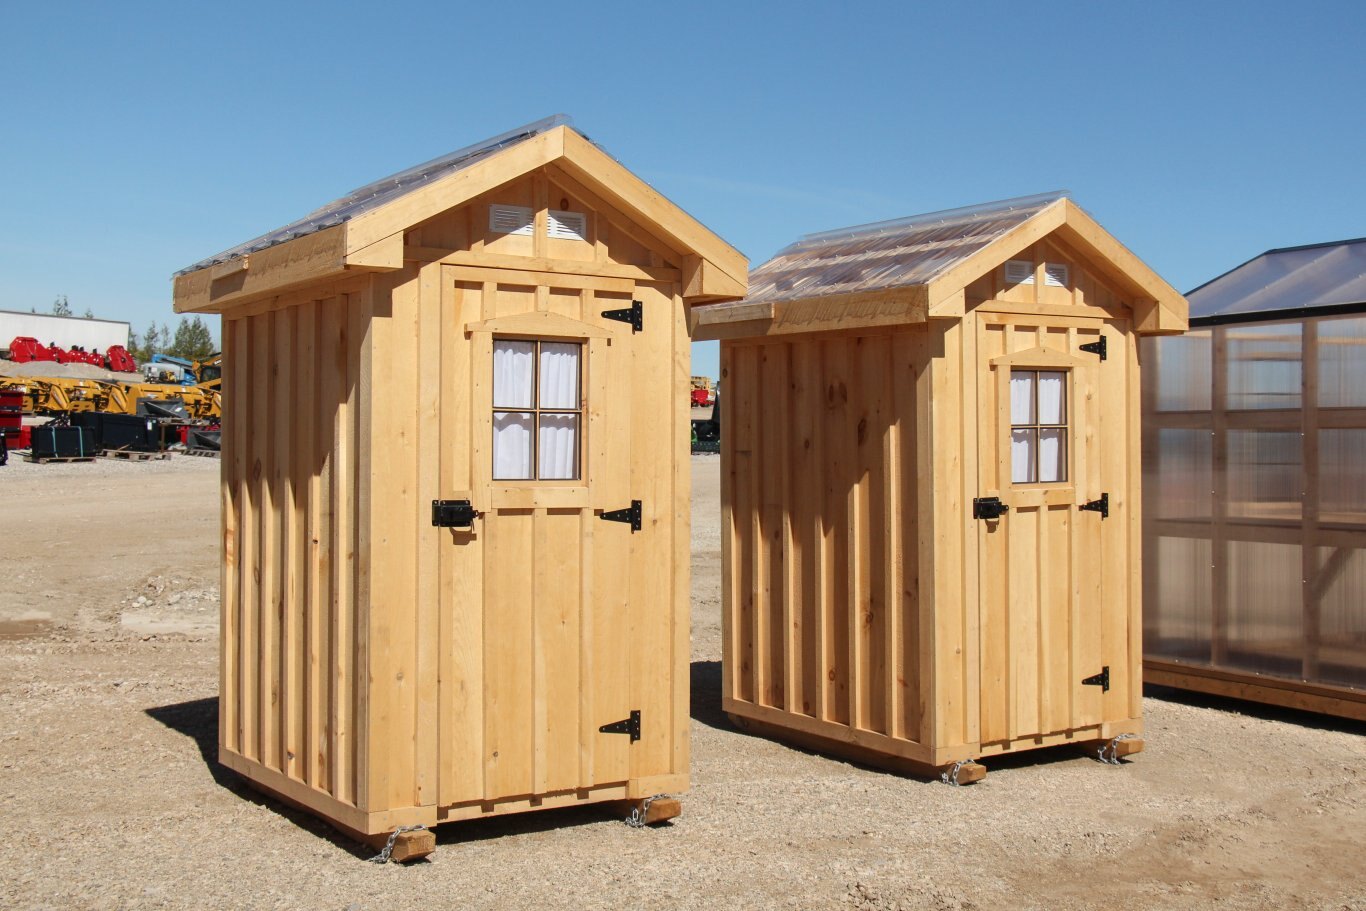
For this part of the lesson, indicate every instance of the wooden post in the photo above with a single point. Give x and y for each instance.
(1311, 496)
(1219, 575)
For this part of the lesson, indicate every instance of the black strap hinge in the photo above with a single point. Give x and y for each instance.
(1095, 347)
(1101, 506)
(631, 515)
(1101, 680)
(634, 314)
(626, 726)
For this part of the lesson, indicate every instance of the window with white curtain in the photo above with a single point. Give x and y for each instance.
(1038, 426)
(537, 410)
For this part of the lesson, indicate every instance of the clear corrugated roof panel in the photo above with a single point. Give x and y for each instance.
(1293, 278)
(374, 195)
(889, 254)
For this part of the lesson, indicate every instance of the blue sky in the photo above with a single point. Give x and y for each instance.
(137, 138)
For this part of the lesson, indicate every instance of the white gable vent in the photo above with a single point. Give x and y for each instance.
(567, 225)
(1019, 272)
(511, 219)
(1055, 275)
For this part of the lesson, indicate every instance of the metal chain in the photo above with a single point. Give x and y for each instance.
(641, 812)
(1107, 753)
(950, 775)
(383, 856)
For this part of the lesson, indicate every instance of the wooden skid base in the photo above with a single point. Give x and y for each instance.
(1292, 694)
(43, 460)
(660, 809)
(407, 845)
(860, 754)
(130, 456)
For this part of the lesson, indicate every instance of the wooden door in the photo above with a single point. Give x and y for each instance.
(1053, 570)
(553, 589)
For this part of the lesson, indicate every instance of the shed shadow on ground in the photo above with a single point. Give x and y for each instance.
(198, 720)
(706, 709)
(1260, 710)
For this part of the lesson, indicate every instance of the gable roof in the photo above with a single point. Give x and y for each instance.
(888, 254)
(363, 230)
(1296, 279)
(382, 191)
(912, 269)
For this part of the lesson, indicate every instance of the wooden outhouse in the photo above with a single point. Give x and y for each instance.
(930, 507)
(455, 487)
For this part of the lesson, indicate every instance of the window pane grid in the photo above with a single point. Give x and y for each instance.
(1038, 426)
(538, 410)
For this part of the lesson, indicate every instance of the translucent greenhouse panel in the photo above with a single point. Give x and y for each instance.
(1342, 362)
(1264, 475)
(1182, 477)
(1180, 366)
(1342, 477)
(1265, 631)
(1264, 366)
(1178, 610)
(1342, 619)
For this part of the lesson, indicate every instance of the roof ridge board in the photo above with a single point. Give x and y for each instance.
(332, 213)
(941, 216)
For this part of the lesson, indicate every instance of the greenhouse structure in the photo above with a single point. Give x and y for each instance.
(1255, 488)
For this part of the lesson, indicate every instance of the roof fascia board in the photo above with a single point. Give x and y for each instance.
(1030, 231)
(619, 186)
(863, 309)
(453, 190)
(311, 258)
(1170, 313)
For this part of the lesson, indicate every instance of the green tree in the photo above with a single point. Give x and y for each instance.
(61, 306)
(89, 314)
(193, 341)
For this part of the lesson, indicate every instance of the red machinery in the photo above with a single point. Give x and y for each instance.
(25, 349)
(12, 419)
(701, 398)
(118, 359)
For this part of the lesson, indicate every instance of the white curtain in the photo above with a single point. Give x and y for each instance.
(559, 446)
(560, 375)
(513, 373)
(512, 446)
(1022, 397)
(1052, 454)
(1052, 404)
(1022, 456)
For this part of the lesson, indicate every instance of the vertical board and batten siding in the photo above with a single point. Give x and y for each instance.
(290, 697)
(823, 535)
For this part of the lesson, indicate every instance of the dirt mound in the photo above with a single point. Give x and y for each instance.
(54, 370)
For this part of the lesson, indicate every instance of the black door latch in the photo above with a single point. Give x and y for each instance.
(453, 514)
(988, 508)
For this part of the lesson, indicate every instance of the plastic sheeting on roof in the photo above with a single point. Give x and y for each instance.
(1291, 278)
(374, 195)
(889, 254)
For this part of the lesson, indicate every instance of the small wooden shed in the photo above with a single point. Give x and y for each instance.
(455, 487)
(930, 484)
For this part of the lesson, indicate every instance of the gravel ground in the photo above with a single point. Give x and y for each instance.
(108, 653)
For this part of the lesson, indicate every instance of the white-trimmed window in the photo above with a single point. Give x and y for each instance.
(537, 410)
(1038, 426)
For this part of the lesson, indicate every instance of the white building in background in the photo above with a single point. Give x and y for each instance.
(64, 331)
